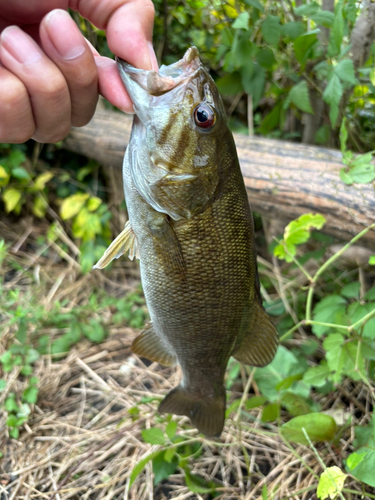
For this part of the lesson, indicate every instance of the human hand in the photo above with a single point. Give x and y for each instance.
(50, 75)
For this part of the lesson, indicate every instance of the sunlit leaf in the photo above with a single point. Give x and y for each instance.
(331, 483)
(72, 205)
(11, 197)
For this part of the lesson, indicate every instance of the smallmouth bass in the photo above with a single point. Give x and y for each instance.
(191, 225)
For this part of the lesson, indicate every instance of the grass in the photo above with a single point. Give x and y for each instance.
(86, 435)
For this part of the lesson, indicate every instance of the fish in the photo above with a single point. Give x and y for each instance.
(191, 226)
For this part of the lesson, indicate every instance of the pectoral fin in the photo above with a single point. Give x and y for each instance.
(259, 345)
(149, 345)
(167, 248)
(125, 241)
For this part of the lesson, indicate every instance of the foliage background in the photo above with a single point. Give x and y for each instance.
(286, 70)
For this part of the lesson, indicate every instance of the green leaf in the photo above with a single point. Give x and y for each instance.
(329, 310)
(11, 197)
(253, 81)
(272, 119)
(271, 377)
(318, 426)
(242, 21)
(14, 433)
(271, 29)
(307, 10)
(293, 29)
(254, 402)
(331, 483)
(153, 436)
(142, 464)
(230, 84)
(32, 356)
(295, 404)
(323, 18)
(162, 468)
(337, 32)
(357, 311)
(271, 412)
(345, 177)
(333, 113)
(297, 232)
(345, 71)
(72, 205)
(227, 37)
(3, 384)
(241, 50)
(299, 96)
(169, 454)
(171, 428)
(10, 404)
(351, 291)
(317, 375)
(197, 484)
(94, 331)
(20, 173)
(343, 136)
(265, 58)
(364, 470)
(16, 157)
(11, 421)
(254, 3)
(344, 358)
(303, 45)
(333, 92)
(30, 395)
(362, 174)
(371, 260)
(354, 459)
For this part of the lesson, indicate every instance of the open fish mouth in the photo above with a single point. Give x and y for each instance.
(158, 83)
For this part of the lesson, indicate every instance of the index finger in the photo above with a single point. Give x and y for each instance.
(128, 25)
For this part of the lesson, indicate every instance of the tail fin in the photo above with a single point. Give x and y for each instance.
(207, 414)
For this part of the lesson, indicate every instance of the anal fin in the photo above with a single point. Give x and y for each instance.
(149, 345)
(125, 241)
(259, 345)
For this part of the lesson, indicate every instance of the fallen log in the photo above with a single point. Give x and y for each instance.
(284, 180)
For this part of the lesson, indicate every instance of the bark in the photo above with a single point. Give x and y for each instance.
(283, 180)
(363, 35)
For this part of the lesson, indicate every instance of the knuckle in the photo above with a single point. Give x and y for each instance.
(86, 80)
(52, 86)
(55, 135)
(149, 7)
(13, 96)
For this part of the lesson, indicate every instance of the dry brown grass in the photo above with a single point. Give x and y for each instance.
(81, 442)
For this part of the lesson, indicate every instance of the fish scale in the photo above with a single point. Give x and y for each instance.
(191, 222)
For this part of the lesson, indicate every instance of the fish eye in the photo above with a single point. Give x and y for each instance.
(204, 116)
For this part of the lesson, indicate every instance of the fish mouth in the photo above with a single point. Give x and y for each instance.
(159, 83)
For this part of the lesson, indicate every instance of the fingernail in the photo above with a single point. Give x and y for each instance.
(64, 34)
(104, 62)
(20, 45)
(153, 60)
